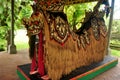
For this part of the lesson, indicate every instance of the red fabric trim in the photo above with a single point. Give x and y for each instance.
(40, 64)
(33, 64)
(40, 55)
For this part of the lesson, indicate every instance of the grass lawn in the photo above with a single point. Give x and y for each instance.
(115, 52)
(115, 47)
(21, 40)
(21, 46)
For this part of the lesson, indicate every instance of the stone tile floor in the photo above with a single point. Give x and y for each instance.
(8, 63)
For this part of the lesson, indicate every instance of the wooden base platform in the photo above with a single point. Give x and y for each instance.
(83, 73)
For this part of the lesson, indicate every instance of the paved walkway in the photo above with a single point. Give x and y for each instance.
(8, 63)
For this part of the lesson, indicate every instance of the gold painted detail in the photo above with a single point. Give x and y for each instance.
(56, 7)
(95, 28)
(83, 39)
(98, 25)
(35, 24)
(59, 30)
(103, 28)
(86, 36)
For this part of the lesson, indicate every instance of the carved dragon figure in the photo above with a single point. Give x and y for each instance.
(62, 49)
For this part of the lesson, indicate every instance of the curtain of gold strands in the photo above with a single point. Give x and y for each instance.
(61, 60)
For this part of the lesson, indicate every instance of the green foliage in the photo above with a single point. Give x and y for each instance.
(22, 9)
(76, 13)
(26, 11)
(115, 36)
(115, 41)
(116, 26)
(5, 8)
(3, 32)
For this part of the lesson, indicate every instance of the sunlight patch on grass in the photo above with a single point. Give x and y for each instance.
(115, 53)
(21, 46)
(21, 40)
